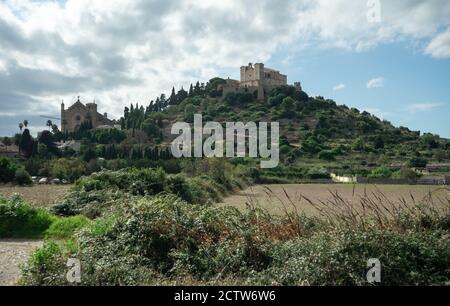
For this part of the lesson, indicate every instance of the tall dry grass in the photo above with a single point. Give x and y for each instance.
(371, 210)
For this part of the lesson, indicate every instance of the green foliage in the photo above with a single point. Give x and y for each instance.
(22, 177)
(92, 196)
(107, 136)
(341, 259)
(327, 155)
(68, 169)
(64, 228)
(381, 172)
(318, 173)
(8, 170)
(19, 220)
(153, 239)
(417, 162)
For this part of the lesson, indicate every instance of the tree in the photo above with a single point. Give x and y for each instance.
(441, 155)
(21, 126)
(26, 143)
(173, 97)
(7, 170)
(288, 104)
(68, 169)
(181, 95)
(150, 127)
(358, 144)
(7, 142)
(189, 112)
(25, 123)
(406, 173)
(430, 141)
(381, 172)
(417, 162)
(22, 177)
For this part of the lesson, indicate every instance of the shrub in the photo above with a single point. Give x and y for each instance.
(341, 259)
(161, 238)
(68, 169)
(19, 220)
(381, 172)
(417, 162)
(7, 170)
(22, 177)
(64, 228)
(327, 155)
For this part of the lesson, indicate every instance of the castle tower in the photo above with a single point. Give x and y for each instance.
(259, 71)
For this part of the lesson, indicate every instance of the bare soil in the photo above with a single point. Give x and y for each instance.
(37, 195)
(13, 254)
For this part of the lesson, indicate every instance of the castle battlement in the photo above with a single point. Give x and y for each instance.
(257, 78)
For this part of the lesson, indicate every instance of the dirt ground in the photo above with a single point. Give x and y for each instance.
(13, 254)
(37, 195)
(274, 198)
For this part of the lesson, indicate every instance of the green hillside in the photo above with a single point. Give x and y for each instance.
(314, 131)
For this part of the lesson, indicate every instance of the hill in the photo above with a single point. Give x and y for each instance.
(314, 131)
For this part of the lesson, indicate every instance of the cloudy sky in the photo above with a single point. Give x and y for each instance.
(391, 58)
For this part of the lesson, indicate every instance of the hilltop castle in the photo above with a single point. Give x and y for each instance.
(74, 116)
(256, 79)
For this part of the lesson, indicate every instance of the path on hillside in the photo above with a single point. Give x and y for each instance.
(14, 253)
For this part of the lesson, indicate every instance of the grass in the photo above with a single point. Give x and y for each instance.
(164, 240)
(19, 220)
(64, 228)
(274, 197)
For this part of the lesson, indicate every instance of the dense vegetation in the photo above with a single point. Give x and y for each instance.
(135, 215)
(165, 240)
(317, 135)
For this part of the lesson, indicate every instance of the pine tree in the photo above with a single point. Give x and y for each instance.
(173, 97)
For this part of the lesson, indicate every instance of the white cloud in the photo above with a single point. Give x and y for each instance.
(375, 83)
(339, 87)
(422, 107)
(123, 51)
(439, 47)
(7, 114)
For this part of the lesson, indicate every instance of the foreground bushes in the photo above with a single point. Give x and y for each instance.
(99, 192)
(160, 240)
(19, 220)
(411, 258)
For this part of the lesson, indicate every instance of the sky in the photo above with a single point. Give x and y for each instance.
(391, 58)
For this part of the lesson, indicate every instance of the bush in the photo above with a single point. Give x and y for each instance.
(381, 172)
(22, 177)
(68, 169)
(64, 228)
(8, 169)
(154, 239)
(417, 162)
(327, 155)
(341, 259)
(19, 220)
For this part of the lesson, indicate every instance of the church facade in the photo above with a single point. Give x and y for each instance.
(78, 113)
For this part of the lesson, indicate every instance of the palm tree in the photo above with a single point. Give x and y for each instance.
(49, 123)
(21, 126)
(25, 123)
